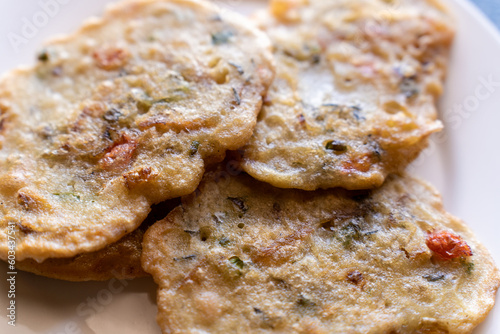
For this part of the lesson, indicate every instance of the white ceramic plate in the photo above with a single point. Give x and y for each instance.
(463, 162)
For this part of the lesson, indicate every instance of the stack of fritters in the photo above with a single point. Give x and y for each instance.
(123, 114)
(132, 109)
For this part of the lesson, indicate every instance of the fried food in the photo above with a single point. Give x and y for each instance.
(355, 93)
(121, 260)
(122, 114)
(240, 256)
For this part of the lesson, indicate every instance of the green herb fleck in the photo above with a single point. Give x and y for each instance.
(224, 241)
(194, 148)
(434, 278)
(315, 54)
(43, 56)
(304, 302)
(409, 87)
(25, 229)
(112, 115)
(311, 53)
(143, 101)
(189, 257)
(237, 262)
(237, 67)
(237, 97)
(222, 37)
(241, 225)
(219, 217)
(331, 106)
(174, 94)
(356, 111)
(239, 203)
(469, 266)
(344, 112)
(349, 233)
(336, 146)
(266, 321)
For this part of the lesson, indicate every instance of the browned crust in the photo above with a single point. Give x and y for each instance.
(121, 260)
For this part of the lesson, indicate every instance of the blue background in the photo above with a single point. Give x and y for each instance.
(491, 8)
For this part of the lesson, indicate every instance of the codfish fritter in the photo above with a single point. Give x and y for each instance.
(120, 115)
(355, 94)
(242, 257)
(121, 260)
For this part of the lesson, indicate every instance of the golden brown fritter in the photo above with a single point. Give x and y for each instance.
(121, 259)
(355, 94)
(120, 115)
(240, 256)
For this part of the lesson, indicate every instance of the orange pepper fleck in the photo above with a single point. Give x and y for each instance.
(447, 245)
